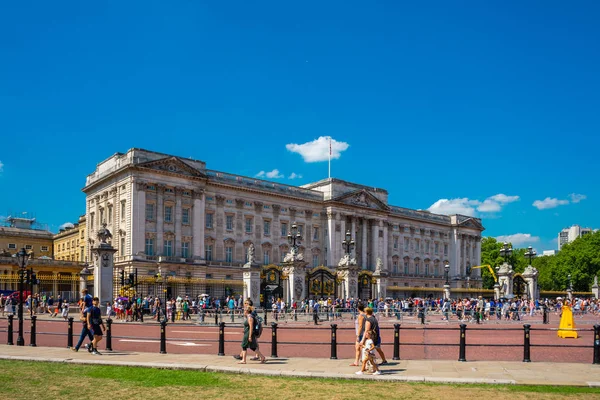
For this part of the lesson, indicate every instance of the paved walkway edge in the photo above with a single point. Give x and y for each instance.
(252, 371)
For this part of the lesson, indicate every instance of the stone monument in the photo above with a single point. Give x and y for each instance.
(251, 273)
(380, 276)
(505, 279)
(530, 276)
(103, 266)
(347, 273)
(294, 267)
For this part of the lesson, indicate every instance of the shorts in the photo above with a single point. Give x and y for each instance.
(96, 330)
(378, 342)
(360, 338)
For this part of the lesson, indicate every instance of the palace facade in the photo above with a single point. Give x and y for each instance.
(175, 216)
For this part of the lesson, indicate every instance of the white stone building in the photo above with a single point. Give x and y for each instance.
(568, 235)
(173, 214)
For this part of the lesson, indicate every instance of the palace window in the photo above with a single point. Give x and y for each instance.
(266, 257)
(122, 211)
(315, 262)
(445, 249)
(249, 222)
(229, 222)
(315, 233)
(209, 220)
(150, 211)
(406, 267)
(229, 254)
(395, 267)
(436, 248)
(185, 249)
(426, 269)
(395, 242)
(427, 246)
(208, 253)
(185, 216)
(168, 248)
(28, 247)
(110, 212)
(406, 243)
(267, 227)
(149, 247)
(44, 248)
(168, 213)
(284, 229)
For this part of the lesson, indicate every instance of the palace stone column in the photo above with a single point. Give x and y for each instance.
(103, 267)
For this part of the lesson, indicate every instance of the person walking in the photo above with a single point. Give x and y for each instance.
(360, 330)
(249, 339)
(371, 324)
(85, 332)
(95, 324)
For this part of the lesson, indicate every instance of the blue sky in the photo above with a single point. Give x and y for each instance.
(480, 107)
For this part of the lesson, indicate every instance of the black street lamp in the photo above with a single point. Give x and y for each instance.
(294, 237)
(348, 243)
(530, 253)
(446, 272)
(22, 258)
(506, 252)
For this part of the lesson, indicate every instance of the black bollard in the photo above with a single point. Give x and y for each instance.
(216, 318)
(10, 330)
(108, 335)
(221, 339)
(526, 343)
(265, 316)
(274, 340)
(396, 342)
(463, 343)
(163, 336)
(333, 342)
(232, 316)
(32, 340)
(545, 315)
(423, 316)
(596, 344)
(202, 316)
(295, 315)
(70, 333)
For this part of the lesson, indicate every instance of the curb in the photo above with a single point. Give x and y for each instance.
(262, 372)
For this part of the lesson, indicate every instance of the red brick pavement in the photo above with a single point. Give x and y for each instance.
(300, 339)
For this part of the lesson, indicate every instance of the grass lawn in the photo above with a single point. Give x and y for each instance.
(27, 380)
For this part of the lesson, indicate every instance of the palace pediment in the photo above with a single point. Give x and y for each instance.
(172, 165)
(471, 223)
(362, 198)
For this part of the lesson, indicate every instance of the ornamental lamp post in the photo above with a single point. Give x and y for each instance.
(506, 252)
(348, 243)
(294, 237)
(22, 258)
(530, 253)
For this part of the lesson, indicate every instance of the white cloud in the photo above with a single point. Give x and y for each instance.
(294, 175)
(549, 202)
(1, 167)
(454, 206)
(470, 207)
(518, 239)
(318, 149)
(66, 225)
(274, 174)
(575, 198)
(271, 174)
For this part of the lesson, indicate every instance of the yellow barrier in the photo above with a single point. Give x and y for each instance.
(567, 324)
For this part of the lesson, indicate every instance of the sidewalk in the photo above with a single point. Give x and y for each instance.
(480, 372)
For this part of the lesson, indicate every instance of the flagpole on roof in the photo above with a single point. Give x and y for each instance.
(329, 157)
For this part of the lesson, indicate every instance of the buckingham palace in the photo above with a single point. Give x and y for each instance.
(173, 217)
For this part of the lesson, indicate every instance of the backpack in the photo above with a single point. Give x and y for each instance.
(258, 326)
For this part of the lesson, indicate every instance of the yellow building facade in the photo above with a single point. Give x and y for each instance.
(70, 244)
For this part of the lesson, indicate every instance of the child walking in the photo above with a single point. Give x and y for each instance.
(368, 355)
